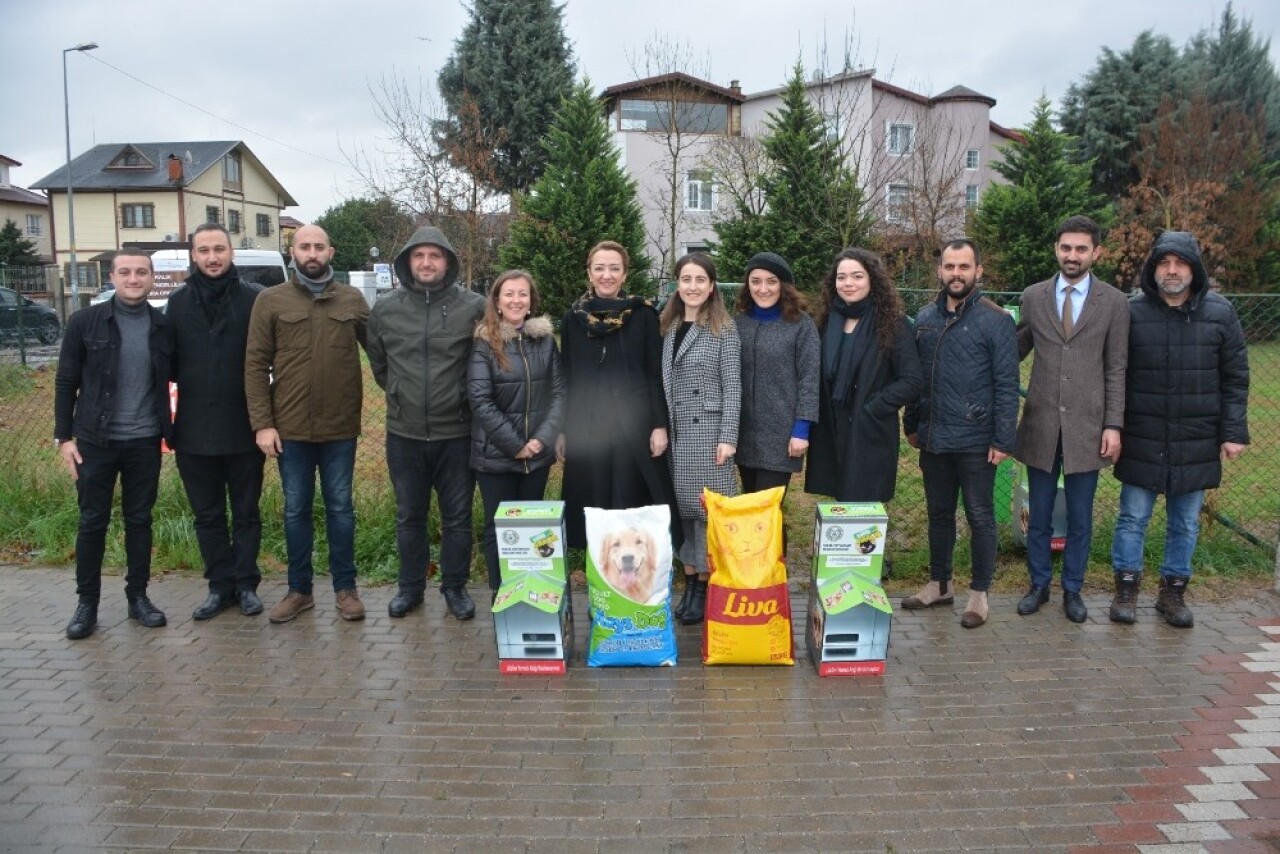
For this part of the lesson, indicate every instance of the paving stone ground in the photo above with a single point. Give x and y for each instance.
(400, 735)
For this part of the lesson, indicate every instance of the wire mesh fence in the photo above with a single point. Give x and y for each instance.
(1245, 511)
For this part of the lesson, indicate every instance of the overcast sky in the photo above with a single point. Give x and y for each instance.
(292, 80)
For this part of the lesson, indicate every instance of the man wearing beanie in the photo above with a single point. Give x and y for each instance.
(302, 382)
(1186, 410)
(780, 369)
(419, 346)
(217, 456)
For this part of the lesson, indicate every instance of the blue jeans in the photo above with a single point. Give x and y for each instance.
(299, 462)
(417, 466)
(1079, 490)
(946, 476)
(1180, 534)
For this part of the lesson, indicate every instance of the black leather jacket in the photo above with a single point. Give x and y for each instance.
(85, 386)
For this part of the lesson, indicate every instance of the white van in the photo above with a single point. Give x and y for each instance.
(263, 266)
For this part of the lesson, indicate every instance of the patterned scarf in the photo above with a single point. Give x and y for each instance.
(602, 316)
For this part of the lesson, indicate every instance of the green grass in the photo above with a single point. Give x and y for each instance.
(38, 515)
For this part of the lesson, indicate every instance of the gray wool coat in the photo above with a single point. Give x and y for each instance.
(781, 363)
(1077, 385)
(703, 386)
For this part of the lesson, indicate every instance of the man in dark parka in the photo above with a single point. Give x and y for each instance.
(1185, 412)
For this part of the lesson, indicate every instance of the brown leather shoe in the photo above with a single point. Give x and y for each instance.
(293, 604)
(349, 604)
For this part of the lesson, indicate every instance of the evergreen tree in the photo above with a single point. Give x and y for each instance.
(1109, 108)
(813, 207)
(1233, 68)
(357, 225)
(514, 64)
(16, 250)
(1015, 222)
(583, 197)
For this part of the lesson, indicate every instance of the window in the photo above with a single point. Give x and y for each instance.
(233, 221)
(231, 171)
(264, 225)
(971, 159)
(897, 201)
(902, 139)
(137, 216)
(700, 195)
(212, 214)
(35, 225)
(690, 116)
(971, 196)
(833, 125)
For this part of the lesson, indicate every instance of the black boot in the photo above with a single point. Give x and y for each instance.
(84, 620)
(683, 604)
(1125, 604)
(697, 607)
(1170, 602)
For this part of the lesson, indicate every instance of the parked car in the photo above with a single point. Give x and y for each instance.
(39, 321)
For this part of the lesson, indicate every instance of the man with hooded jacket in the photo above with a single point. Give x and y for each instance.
(1185, 411)
(419, 345)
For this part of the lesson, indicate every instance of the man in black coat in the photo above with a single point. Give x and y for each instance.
(1185, 411)
(964, 423)
(218, 457)
(111, 408)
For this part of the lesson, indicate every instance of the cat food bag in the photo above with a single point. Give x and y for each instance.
(629, 587)
(748, 616)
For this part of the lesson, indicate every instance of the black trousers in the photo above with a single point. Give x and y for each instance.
(136, 462)
(495, 489)
(212, 482)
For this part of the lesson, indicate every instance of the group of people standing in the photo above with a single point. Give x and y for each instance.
(644, 409)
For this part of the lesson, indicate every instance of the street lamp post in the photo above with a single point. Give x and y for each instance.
(71, 205)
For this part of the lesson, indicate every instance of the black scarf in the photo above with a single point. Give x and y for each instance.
(602, 316)
(841, 353)
(211, 294)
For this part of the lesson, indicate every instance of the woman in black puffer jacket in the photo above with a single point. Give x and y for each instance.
(517, 402)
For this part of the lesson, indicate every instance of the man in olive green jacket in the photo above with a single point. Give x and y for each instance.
(419, 346)
(302, 382)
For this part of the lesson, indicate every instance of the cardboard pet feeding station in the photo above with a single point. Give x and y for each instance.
(532, 615)
(849, 614)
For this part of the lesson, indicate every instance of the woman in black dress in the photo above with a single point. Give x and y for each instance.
(615, 429)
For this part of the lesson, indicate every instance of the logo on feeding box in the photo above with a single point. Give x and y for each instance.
(835, 532)
(866, 539)
(510, 537)
(545, 543)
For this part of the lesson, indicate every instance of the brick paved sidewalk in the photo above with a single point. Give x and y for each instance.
(400, 735)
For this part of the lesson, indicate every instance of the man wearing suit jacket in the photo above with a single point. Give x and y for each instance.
(1074, 411)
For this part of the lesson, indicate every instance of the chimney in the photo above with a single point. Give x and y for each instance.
(175, 169)
(735, 87)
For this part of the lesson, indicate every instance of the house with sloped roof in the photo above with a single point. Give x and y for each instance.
(144, 193)
(923, 161)
(28, 210)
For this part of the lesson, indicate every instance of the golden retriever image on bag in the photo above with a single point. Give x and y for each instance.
(629, 587)
(748, 617)
(628, 562)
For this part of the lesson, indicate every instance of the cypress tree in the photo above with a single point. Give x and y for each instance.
(583, 197)
(514, 63)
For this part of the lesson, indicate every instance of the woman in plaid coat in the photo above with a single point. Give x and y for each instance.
(702, 380)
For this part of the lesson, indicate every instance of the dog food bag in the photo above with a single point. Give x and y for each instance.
(629, 587)
(748, 617)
